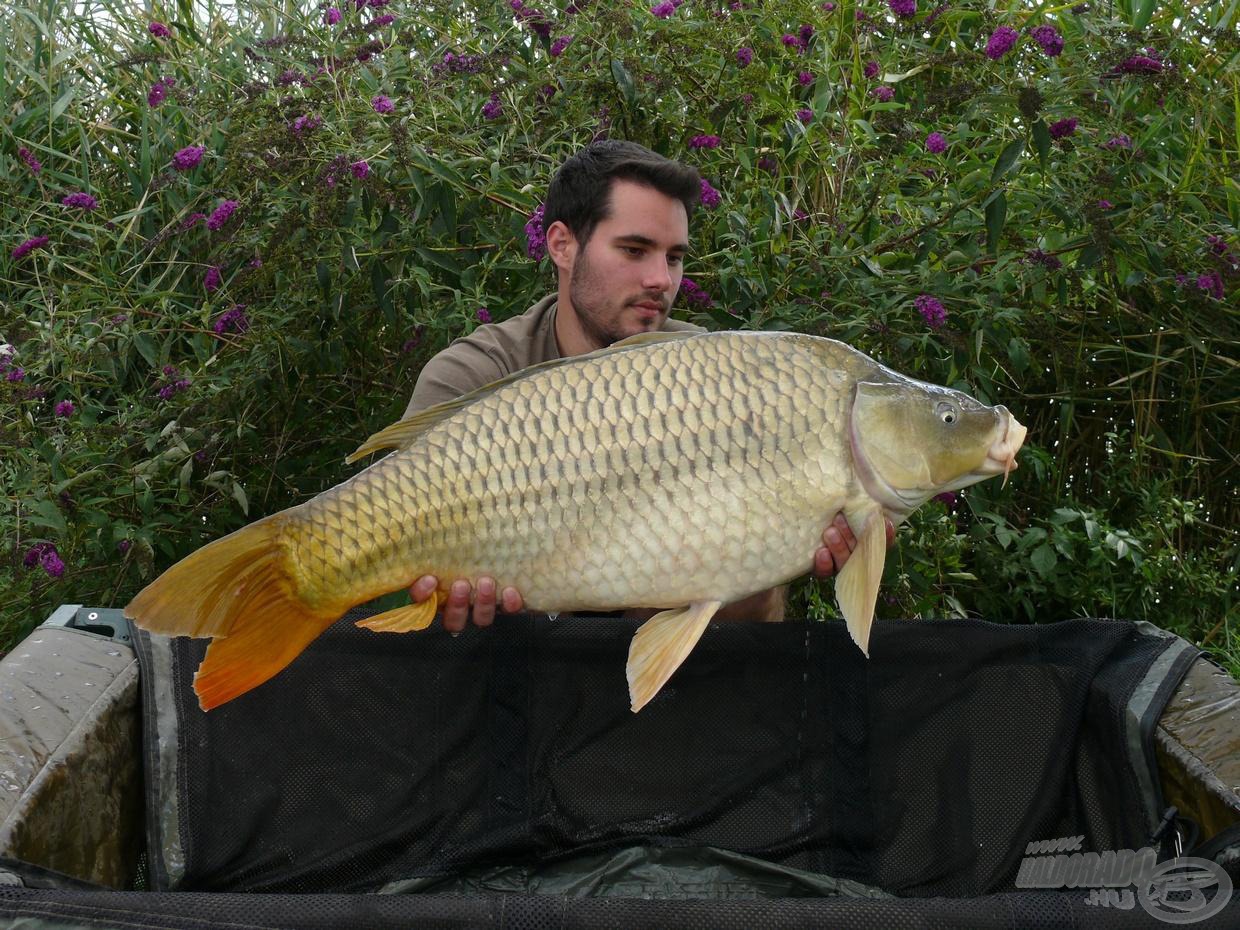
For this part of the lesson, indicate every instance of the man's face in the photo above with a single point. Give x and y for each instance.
(624, 279)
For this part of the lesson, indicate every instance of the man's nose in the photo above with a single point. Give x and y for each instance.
(656, 276)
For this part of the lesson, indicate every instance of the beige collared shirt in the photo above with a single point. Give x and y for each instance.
(494, 350)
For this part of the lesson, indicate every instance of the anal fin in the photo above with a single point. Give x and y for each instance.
(856, 587)
(405, 619)
(661, 644)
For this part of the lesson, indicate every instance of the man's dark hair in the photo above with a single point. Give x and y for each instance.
(579, 195)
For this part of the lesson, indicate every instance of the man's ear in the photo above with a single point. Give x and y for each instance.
(561, 245)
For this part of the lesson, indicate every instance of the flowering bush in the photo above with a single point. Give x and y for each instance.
(213, 292)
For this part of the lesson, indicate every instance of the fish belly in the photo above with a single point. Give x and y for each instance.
(705, 469)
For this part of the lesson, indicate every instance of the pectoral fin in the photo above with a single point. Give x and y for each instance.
(405, 619)
(661, 644)
(856, 588)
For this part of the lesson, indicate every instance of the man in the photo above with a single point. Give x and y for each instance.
(616, 221)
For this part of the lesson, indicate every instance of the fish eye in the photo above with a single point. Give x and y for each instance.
(947, 412)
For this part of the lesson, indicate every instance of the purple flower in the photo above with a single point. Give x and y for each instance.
(15, 374)
(744, 56)
(806, 33)
(558, 46)
(1118, 142)
(704, 142)
(709, 196)
(805, 115)
(173, 384)
(493, 109)
(192, 220)
(1045, 259)
(828, 7)
(936, 143)
(805, 78)
(1105, 205)
(870, 70)
(232, 320)
(220, 215)
(767, 163)
(790, 41)
(332, 16)
(694, 295)
(1002, 41)
(51, 562)
(155, 96)
(188, 157)
(80, 200)
(484, 315)
(65, 408)
(1212, 284)
(31, 162)
(35, 552)
(535, 236)
(306, 124)
(1049, 38)
(1137, 64)
(905, 9)
(884, 93)
(416, 340)
(256, 262)
(1063, 128)
(159, 31)
(360, 171)
(123, 546)
(931, 310)
(385, 20)
(212, 279)
(382, 104)
(947, 497)
(36, 242)
(664, 10)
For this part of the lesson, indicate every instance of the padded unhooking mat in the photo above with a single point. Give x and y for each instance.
(508, 759)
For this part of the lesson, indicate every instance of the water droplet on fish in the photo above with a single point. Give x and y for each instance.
(60, 674)
(87, 684)
(113, 652)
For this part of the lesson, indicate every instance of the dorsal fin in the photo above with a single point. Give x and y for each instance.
(401, 434)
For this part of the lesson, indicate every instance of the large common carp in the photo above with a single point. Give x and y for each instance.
(677, 471)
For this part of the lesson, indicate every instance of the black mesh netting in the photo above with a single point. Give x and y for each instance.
(923, 771)
(46, 910)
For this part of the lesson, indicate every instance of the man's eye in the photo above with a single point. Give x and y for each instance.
(675, 259)
(634, 250)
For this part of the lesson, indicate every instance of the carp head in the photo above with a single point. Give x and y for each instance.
(912, 440)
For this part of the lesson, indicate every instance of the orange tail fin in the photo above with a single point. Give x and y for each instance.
(238, 590)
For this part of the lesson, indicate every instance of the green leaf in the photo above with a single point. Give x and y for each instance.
(146, 348)
(60, 105)
(1007, 159)
(238, 494)
(47, 515)
(624, 81)
(1042, 141)
(1142, 13)
(1043, 559)
(996, 216)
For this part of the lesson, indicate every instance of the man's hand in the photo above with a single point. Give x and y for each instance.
(456, 608)
(838, 542)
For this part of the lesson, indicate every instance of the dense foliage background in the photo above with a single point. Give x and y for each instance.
(232, 235)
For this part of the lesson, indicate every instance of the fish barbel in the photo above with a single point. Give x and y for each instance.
(675, 471)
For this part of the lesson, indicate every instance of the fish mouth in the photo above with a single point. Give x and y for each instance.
(1001, 456)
